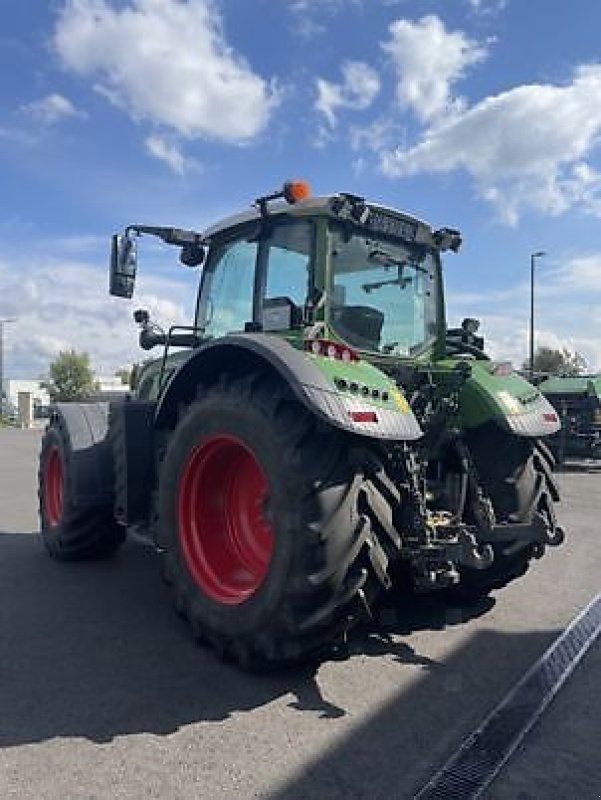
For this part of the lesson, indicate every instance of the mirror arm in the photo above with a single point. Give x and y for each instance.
(150, 338)
(177, 236)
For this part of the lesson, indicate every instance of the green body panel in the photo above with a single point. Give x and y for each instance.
(484, 397)
(487, 396)
(363, 380)
(589, 385)
(149, 384)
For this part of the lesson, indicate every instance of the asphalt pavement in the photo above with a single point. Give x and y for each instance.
(103, 693)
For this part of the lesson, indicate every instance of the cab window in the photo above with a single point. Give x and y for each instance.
(288, 262)
(229, 288)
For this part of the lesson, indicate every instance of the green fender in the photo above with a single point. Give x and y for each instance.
(352, 395)
(494, 394)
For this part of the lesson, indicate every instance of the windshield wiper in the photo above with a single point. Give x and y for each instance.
(386, 258)
(399, 281)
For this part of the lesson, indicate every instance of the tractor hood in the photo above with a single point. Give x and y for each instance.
(494, 393)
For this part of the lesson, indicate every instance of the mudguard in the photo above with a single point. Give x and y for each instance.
(353, 395)
(513, 403)
(89, 454)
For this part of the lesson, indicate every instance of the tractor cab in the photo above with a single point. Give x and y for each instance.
(333, 268)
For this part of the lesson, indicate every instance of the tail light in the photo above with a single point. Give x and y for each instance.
(330, 349)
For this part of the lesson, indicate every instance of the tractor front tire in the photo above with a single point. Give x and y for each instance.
(272, 547)
(69, 532)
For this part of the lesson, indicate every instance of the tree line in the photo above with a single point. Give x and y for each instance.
(71, 377)
(556, 362)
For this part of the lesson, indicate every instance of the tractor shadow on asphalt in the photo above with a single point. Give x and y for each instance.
(403, 612)
(95, 650)
(395, 750)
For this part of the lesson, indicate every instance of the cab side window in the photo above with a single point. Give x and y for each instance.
(229, 289)
(288, 262)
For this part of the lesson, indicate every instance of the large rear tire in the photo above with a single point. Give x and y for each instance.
(516, 474)
(70, 533)
(273, 548)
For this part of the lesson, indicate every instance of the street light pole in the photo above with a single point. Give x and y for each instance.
(2, 323)
(533, 257)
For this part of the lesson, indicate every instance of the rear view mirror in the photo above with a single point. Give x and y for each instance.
(123, 266)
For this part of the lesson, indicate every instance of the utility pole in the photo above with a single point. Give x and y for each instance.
(2, 323)
(533, 257)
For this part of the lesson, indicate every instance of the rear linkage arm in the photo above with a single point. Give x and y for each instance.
(437, 542)
(434, 542)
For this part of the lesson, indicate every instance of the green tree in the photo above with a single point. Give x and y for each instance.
(70, 377)
(557, 362)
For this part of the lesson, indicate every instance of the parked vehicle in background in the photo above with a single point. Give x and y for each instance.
(577, 400)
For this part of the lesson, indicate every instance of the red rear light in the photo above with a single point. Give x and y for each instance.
(548, 417)
(363, 416)
(330, 349)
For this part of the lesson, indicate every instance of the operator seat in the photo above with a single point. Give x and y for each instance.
(360, 326)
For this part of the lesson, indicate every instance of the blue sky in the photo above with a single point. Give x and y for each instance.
(478, 114)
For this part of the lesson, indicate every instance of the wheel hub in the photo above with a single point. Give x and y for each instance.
(53, 487)
(226, 540)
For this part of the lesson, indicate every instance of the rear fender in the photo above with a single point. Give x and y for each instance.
(506, 399)
(353, 396)
(90, 463)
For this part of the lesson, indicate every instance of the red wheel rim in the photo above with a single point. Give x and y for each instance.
(53, 487)
(226, 540)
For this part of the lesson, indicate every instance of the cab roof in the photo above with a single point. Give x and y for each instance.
(324, 204)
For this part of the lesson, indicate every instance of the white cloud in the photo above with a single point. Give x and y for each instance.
(428, 60)
(506, 339)
(61, 304)
(168, 62)
(483, 7)
(580, 274)
(24, 138)
(376, 137)
(567, 311)
(309, 14)
(170, 153)
(525, 148)
(359, 88)
(302, 6)
(51, 109)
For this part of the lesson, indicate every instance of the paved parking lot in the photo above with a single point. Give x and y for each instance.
(104, 695)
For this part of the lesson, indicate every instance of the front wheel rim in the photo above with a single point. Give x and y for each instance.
(226, 540)
(54, 487)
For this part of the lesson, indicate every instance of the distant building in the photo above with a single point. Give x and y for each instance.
(111, 383)
(13, 386)
(108, 385)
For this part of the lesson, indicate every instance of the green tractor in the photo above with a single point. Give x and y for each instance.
(577, 401)
(315, 436)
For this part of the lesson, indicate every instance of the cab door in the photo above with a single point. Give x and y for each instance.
(227, 301)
